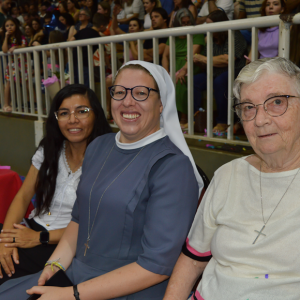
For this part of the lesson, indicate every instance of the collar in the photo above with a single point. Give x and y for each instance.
(141, 143)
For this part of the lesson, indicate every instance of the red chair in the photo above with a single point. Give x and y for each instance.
(10, 184)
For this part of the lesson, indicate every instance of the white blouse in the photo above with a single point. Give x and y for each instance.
(64, 195)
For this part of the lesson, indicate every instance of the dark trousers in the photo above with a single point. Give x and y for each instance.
(220, 85)
(31, 260)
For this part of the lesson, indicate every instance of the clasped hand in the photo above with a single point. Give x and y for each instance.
(24, 237)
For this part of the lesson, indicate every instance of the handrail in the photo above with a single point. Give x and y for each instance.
(230, 26)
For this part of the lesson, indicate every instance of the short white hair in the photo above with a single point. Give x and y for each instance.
(256, 69)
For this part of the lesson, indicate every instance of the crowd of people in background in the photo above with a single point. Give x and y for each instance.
(38, 23)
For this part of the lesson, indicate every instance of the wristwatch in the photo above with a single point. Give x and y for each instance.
(44, 237)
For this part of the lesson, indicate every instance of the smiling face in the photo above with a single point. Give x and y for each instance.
(133, 26)
(136, 120)
(273, 136)
(10, 27)
(273, 7)
(75, 130)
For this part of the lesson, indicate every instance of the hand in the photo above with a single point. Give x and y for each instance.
(180, 75)
(11, 50)
(199, 59)
(51, 292)
(24, 237)
(7, 34)
(6, 261)
(116, 10)
(47, 274)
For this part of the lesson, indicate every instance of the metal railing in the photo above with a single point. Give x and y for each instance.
(30, 92)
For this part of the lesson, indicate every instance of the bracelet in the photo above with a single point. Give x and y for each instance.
(76, 294)
(55, 263)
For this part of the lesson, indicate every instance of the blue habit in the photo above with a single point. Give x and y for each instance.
(144, 216)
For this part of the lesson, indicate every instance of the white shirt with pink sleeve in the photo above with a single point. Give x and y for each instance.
(227, 223)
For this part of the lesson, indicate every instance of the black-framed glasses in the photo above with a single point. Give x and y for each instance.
(138, 93)
(275, 106)
(80, 112)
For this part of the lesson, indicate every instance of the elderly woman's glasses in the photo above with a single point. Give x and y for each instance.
(275, 106)
(79, 113)
(138, 93)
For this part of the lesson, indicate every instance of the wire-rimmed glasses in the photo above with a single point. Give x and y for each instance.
(81, 112)
(138, 93)
(275, 106)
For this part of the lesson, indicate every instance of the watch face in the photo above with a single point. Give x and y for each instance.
(44, 237)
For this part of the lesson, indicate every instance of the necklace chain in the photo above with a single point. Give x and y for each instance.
(261, 198)
(90, 230)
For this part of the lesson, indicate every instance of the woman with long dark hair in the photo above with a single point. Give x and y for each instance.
(76, 118)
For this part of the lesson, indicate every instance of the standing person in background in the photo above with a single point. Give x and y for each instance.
(15, 13)
(37, 31)
(249, 9)
(13, 39)
(159, 18)
(73, 9)
(149, 5)
(182, 4)
(211, 5)
(183, 18)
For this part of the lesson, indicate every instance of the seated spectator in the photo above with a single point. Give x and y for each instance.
(183, 18)
(73, 9)
(100, 23)
(159, 18)
(84, 22)
(220, 69)
(53, 176)
(132, 9)
(37, 31)
(104, 9)
(12, 39)
(209, 6)
(28, 33)
(268, 38)
(47, 19)
(82, 3)
(92, 6)
(63, 7)
(249, 9)
(32, 9)
(67, 20)
(26, 19)
(149, 5)
(183, 4)
(15, 13)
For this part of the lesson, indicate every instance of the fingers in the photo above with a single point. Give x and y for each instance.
(16, 255)
(8, 266)
(35, 290)
(19, 226)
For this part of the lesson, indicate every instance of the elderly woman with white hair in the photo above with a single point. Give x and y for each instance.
(136, 200)
(245, 236)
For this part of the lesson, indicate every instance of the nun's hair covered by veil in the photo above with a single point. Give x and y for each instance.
(169, 118)
(181, 13)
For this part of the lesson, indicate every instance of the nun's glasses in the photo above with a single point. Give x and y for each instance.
(275, 106)
(138, 93)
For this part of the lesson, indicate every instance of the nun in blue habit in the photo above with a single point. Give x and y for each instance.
(136, 200)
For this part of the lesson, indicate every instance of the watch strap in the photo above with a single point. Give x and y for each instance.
(44, 237)
(76, 294)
